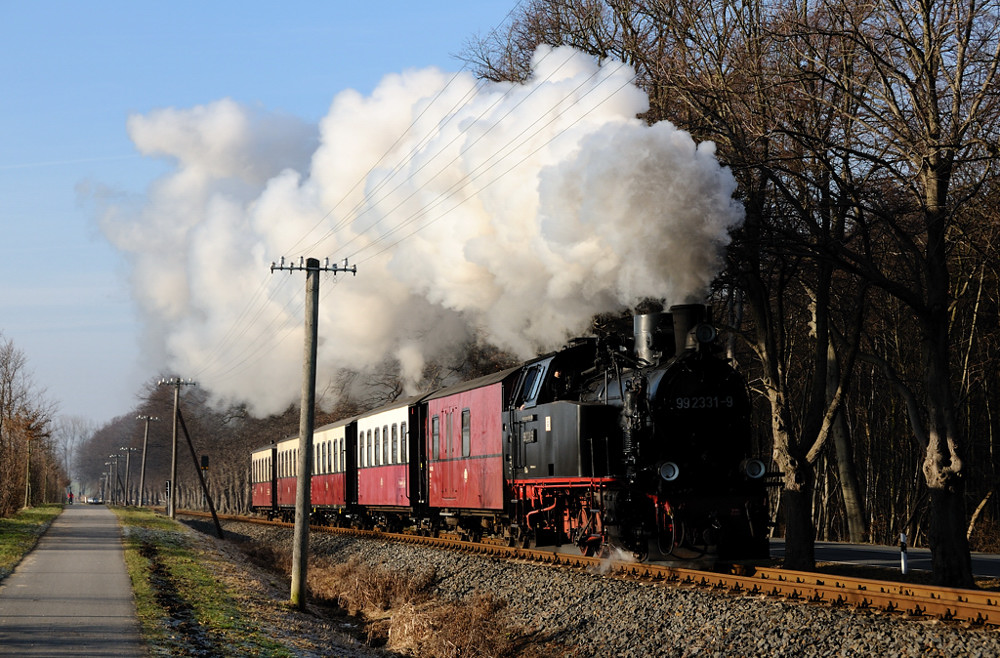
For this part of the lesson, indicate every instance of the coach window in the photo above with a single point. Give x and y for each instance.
(449, 432)
(435, 436)
(378, 453)
(466, 432)
(403, 445)
(395, 443)
(385, 445)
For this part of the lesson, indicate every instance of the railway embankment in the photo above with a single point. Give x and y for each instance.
(543, 610)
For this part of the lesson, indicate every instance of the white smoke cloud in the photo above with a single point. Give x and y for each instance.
(513, 210)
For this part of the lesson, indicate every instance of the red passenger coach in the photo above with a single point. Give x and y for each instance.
(287, 460)
(333, 485)
(385, 479)
(464, 435)
(263, 497)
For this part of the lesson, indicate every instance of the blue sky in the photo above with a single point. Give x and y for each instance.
(73, 72)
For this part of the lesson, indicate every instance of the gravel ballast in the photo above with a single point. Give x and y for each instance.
(598, 615)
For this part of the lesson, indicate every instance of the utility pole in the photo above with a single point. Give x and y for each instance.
(176, 382)
(300, 548)
(142, 468)
(128, 469)
(114, 482)
(27, 475)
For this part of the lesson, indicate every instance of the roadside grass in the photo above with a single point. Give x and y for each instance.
(20, 533)
(182, 608)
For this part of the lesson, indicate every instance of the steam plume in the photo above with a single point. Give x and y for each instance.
(513, 210)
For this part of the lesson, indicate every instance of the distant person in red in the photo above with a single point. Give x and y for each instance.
(70, 497)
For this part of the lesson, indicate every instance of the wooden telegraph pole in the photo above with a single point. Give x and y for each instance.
(300, 549)
(176, 382)
(142, 469)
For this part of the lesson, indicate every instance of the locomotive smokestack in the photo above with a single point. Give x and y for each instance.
(686, 318)
(654, 337)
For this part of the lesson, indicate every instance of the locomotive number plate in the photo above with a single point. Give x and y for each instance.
(704, 402)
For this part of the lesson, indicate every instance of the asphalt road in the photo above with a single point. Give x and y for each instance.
(71, 596)
(983, 564)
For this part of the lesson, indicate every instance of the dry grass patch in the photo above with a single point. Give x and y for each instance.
(360, 588)
(269, 556)
(476, 626)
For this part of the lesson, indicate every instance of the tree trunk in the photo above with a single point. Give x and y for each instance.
(854, 507)
(796, 497)
(951, 561)
(944, 469)
(800, 553)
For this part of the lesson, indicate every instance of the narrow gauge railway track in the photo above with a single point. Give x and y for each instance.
(913, 600)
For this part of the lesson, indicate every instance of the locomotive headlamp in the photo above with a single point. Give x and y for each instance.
(705, 333)
(669, 471)
(754, 468)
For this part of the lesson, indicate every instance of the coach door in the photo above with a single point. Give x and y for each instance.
(451, 466)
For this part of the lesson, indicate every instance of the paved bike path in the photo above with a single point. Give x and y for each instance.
(71, 595)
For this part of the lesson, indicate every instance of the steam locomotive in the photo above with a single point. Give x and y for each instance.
(639, 442)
